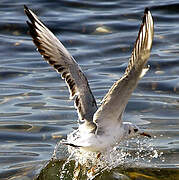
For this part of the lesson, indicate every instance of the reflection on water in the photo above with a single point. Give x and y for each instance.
(36, 113)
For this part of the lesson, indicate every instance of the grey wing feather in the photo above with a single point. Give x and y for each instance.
(114, 103)
(57, 56)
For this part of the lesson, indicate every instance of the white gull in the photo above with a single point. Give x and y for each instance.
(100, 127)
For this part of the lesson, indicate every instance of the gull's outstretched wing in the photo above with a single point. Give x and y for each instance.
(115, 101)
(57, 56)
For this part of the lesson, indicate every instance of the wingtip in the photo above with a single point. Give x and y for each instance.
(147, 15)
(29, 14)
(69, 144)
(146, 10)
(25, 8)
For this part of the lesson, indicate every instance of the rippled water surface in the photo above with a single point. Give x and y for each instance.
(35, 110)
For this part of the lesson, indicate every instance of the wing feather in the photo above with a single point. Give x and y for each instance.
(57, 56)
(114, 103)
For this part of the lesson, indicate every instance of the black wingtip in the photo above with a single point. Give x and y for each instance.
(71, 144)
(29, 14)
(146, 10)
(26, 8)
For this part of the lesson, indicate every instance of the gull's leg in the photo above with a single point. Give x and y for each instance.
(92, 170)
(98, 155)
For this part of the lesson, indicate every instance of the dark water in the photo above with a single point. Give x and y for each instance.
(35, 110)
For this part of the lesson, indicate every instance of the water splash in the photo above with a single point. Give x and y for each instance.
(131, 153)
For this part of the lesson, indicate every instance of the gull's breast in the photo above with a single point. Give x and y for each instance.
(95, 142)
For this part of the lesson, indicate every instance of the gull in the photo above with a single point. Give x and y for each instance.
(99, 127)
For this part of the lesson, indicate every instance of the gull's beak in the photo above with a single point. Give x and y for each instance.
(145, 134)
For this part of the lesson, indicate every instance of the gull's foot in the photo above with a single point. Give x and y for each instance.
(92, 170)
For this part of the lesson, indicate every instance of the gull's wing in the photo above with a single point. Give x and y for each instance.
(113, 104)
(57, 56)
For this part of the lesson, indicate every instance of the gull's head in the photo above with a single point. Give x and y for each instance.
(133, 130)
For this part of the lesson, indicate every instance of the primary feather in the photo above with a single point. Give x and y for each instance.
(53, 51)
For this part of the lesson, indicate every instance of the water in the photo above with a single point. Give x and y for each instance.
(35, 110)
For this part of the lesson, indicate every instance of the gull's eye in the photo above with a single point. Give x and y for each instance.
(135, 130)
